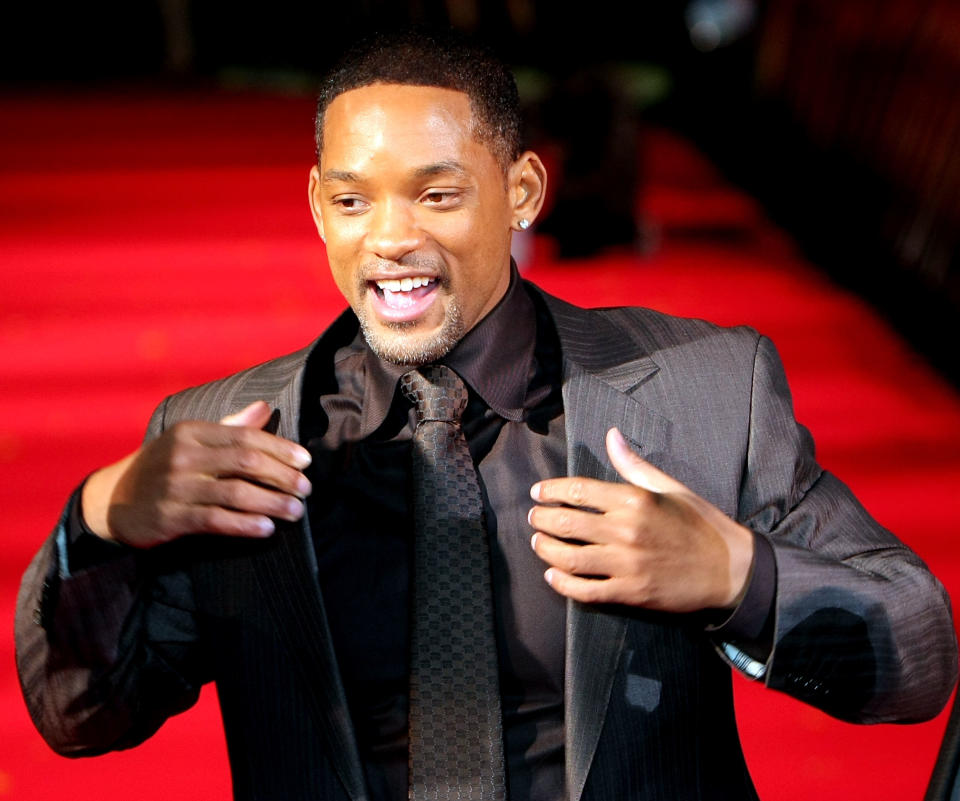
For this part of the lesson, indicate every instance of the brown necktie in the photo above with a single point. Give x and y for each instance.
(456, 743)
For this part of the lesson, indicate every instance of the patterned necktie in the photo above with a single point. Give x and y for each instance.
(456, 743)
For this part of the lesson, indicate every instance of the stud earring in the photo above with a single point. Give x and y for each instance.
(523, 224)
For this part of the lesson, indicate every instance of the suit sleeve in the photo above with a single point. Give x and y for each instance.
(862, 629)
(107, 651)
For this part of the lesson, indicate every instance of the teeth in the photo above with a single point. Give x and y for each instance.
(403, 284)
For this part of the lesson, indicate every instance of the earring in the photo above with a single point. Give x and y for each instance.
(523, 224)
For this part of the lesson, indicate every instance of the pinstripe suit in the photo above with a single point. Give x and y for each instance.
(862, 629)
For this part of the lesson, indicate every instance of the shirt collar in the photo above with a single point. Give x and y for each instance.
(494, 358)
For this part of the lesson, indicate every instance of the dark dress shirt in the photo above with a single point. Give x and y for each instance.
(359, 427)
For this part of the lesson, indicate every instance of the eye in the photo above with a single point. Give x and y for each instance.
(349, 204)
(441, 198)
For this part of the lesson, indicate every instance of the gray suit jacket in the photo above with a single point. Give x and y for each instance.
(863, 630)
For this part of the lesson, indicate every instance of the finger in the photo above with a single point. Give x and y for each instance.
(242, 496)
(256, 415)
(585, 493)
(635, 469)
(256, 466)
(217, 520)
(616, 590)
(585, 590)
(251, 438)
(575, 560)
(568, 523)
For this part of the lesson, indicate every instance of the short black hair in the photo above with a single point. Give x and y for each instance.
(443, 58)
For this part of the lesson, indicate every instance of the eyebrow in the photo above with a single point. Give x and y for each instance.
(427, 171)
(441, 168)
(344, 176)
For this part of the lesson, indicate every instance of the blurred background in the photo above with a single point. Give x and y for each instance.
(789, 164)
(843, 118)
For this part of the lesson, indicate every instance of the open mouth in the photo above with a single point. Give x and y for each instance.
(403, 298)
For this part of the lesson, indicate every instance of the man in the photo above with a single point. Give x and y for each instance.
(278, 551)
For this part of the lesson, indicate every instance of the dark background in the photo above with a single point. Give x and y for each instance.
(843, 118)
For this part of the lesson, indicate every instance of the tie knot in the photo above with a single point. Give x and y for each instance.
(436, 392)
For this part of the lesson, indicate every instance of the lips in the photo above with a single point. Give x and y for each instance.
(403, 299)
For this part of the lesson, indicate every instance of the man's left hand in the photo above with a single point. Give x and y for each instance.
(651, 543)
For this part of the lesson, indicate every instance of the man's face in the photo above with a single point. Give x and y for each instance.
(416, 214)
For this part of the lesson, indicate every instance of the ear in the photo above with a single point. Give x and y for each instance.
(313, 196)
(527, 184)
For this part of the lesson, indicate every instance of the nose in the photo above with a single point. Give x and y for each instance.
(393, 231)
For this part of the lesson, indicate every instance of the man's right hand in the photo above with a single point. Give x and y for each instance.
(226, 478)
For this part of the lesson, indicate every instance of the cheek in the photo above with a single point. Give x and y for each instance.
(342, 271)
(470, 239)
(454, 232)
(343, 254)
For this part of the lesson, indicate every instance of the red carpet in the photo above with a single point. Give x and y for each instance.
(152, 241)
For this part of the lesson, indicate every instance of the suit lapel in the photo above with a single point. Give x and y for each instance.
(287, 575)
(601, 369)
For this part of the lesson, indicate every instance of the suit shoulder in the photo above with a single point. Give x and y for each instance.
(215, 399)
(690, 347)
(667, 328)
(649, 332)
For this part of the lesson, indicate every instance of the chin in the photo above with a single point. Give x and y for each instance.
(401, 344)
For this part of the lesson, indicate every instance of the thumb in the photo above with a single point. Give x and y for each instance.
(635, 469)
(255, 415)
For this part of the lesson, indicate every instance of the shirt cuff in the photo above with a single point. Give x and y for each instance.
(751, 620)
(79, 548)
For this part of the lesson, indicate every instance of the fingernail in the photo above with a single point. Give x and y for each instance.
(295, 509)
(535, 491)
(533, 542)
(265, 526)
(301, 457)
(530, 515)
(304, 487)
(548, 575)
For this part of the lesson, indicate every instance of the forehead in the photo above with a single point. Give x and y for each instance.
(421, 122)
